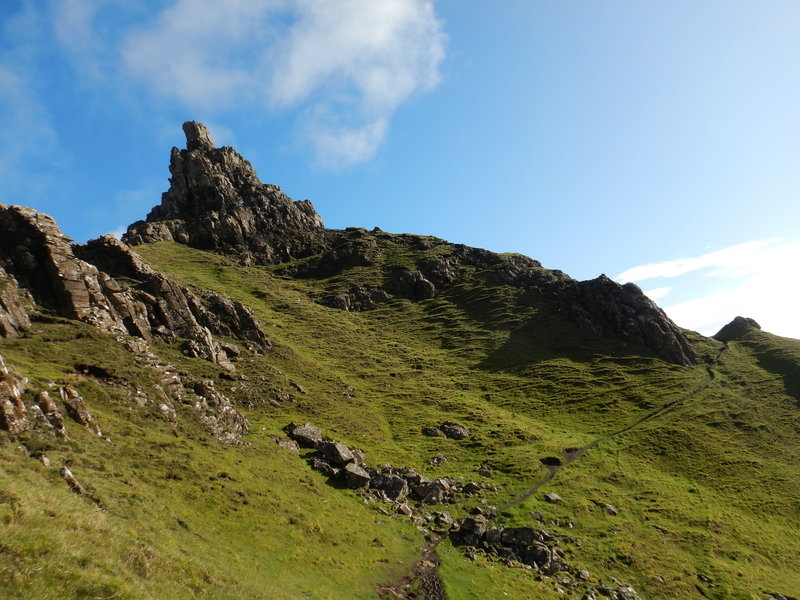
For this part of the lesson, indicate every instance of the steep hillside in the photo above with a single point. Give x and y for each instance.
(560, 438)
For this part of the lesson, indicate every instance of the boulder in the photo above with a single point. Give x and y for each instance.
(519, 536)
(454, 431)
(432, 432)
(355, 476)
(51, 414)
(393, 486)
(336, 453)
(76, 408)
(307, 435)
(553, 498)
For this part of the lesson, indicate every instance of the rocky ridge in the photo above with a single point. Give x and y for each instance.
(217, 202)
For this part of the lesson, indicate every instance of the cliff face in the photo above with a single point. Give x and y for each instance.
(105, 284)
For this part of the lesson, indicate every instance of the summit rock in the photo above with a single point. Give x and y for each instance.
(217, 202)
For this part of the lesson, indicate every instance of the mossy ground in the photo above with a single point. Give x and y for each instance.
(711, 487)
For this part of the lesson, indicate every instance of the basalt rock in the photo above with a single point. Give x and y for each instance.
(13, 414)
(736, 329)
(40, 258)
(606, 308)
(217, 202)
(217, 413)
(13, 307)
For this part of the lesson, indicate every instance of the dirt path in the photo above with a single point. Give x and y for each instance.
(571, 454)
(423, 581)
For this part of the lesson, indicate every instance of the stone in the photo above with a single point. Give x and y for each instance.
(217, 202)
(519, 536)
(307, 435)
(324, 467)
(197, 136)
(553, 498)
(218, 414)
(13, 414)
(14, 304)
(51, 413)
(432, 432)
(336, 453)
(610, 509)
(433, 492)
(355, 476)
(454, 431)
(393, 486)
(485, 472)
(76, 408)
(472, 488)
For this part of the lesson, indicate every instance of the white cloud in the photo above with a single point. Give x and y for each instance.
(348, 64)
(728, 261)
(75, 29)
(753, 279)
(118, 232)
(657, 293)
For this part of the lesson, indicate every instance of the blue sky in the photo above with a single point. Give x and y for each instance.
(657, 142)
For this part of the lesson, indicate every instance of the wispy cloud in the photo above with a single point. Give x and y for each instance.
(739, 259)
(753, 279)
(657, 293)
(347, 64)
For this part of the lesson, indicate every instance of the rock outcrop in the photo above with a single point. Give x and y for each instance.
(604, 307)
(736, 329)
(105, 284)
(40, 258)
(13, 311)
(13, 413)
(217, 202)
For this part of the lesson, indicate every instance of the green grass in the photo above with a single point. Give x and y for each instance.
(709, 487)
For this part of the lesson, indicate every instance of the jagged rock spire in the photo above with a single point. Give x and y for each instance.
(197, 136)
(217, 202)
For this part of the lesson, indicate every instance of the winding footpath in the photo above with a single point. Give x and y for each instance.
(424, 582)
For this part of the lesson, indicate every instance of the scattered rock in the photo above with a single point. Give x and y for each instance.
(432, 432)
(454, 431)
(307, 435)
(13, 414)
(355, 476)
(51, 414)
(76, 408)
(335, 453)
(218, 414)
(393, 486)
(553, 498)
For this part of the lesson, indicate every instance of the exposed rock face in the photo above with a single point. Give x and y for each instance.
(736, 329)
(605, 307)
(41, 260)
(13, 414)
(217, 202)
(218, 414)
(13, 314)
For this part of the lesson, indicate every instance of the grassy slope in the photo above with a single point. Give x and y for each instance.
(710, 487)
